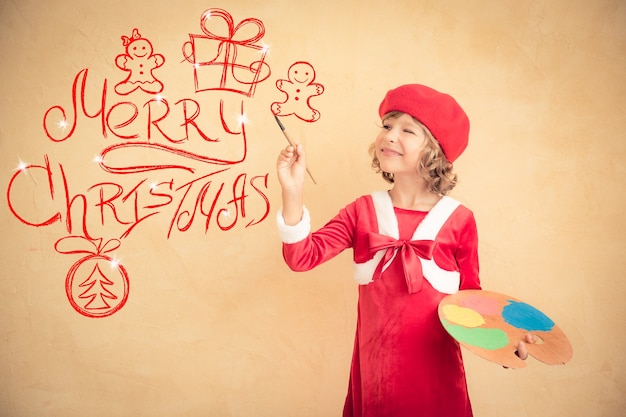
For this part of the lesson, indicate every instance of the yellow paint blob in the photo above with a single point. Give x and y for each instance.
(463, 316)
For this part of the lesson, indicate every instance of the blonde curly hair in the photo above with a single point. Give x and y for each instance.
(433, 165)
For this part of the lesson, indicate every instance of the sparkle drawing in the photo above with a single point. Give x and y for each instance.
(299, 88)
(139, 61)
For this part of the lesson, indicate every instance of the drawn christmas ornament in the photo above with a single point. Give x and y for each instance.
(96, 285)
(491, 324)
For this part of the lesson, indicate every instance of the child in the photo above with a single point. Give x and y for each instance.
(412, 246)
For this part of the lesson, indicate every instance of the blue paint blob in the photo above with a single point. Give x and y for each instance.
(527, 317)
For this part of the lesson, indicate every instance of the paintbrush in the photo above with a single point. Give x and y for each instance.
(282, 127)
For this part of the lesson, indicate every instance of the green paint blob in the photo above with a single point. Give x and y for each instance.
(489, 339)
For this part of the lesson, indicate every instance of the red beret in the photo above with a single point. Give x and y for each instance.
(439, 112)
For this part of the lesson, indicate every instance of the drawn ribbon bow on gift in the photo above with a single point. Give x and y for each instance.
(409, 251)
(232, 29)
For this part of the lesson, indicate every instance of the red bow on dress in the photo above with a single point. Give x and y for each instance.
(409, 251)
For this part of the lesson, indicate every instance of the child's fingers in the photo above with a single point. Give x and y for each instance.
(299, 150)
(286, 153)
(522, 352)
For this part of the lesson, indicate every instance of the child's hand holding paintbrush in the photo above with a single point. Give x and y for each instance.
(291, 169)
(299, 151)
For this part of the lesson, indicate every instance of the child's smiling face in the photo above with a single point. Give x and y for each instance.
(399, 144)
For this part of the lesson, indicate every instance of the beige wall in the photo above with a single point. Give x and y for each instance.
(215, 324)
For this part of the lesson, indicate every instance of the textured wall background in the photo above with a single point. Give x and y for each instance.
(215, 324)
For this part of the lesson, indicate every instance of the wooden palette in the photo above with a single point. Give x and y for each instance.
(491, 324)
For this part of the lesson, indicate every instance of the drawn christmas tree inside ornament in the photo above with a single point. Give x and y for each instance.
(98, 295)
(96, 285)
(491, 325)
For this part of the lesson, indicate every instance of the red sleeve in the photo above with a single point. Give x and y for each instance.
(467, 254)
(323, 244)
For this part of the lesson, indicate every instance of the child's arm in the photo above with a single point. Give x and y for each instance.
(291, 169)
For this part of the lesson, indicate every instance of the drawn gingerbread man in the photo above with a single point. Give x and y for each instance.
(139, 61)
(299, 88)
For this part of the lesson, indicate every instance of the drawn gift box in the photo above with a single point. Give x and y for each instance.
(227, 57)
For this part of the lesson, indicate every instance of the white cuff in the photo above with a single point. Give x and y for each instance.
(297, 232)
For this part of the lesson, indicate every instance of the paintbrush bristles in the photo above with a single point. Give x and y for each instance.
(279, 123)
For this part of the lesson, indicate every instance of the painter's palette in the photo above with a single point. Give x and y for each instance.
(491, 324)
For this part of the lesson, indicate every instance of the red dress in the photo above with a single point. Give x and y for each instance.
(404, 363)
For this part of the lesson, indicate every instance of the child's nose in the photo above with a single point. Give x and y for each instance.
(391, 135)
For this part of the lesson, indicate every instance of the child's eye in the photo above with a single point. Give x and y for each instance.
(409, 131)
(387, 127)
